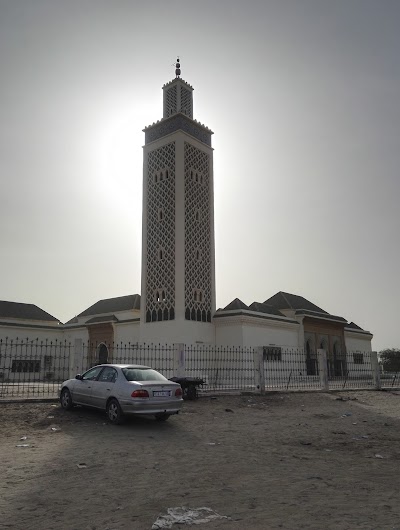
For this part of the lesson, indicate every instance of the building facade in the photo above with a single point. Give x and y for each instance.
(177, 302)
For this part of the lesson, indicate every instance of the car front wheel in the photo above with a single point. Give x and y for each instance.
(114, 412)
(66, 399)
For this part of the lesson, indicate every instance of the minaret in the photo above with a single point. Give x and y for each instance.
(178, 271)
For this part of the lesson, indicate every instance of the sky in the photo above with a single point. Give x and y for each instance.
(303, 98)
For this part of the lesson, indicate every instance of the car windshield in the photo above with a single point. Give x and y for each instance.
(142, 374)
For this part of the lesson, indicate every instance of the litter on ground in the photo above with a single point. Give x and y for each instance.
(182, 515)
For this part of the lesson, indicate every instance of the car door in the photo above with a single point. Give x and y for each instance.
(104, 386)
(83, 388)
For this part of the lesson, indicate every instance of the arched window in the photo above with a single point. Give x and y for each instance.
(200, 296)
(166, 174)
(195, 296)
(161, 176)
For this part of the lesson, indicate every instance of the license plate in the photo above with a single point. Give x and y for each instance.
(161, 393)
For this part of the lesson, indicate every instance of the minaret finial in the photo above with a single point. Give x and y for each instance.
(177, 68)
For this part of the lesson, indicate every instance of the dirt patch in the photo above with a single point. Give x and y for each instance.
(281, 461)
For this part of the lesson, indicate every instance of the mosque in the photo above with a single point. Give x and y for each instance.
(177, 303)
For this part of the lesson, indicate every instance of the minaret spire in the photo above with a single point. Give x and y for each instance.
(177, 68)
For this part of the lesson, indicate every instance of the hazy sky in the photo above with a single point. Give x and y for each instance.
(303, 97)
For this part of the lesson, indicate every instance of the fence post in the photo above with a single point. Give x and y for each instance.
(323, 369)
(76, 365)
(259, 369)
(376, 373)
(179, 360)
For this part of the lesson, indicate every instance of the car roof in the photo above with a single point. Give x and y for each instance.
(124, 365)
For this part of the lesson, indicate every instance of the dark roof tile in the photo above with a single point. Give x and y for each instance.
(283, 300)
(354, 326)
(235, 304)
(113, 305)
(24, 312)
(265, 308)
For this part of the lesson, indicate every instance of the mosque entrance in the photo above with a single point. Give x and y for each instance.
(102, 354)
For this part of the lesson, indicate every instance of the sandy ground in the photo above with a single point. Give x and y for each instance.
(282, 461)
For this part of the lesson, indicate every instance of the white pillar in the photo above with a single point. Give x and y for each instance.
(76, 366)
(179, 360)
(259, 369)
(376, 373)
(323, 369)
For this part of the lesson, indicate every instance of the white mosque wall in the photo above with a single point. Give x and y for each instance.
(126, 333)
(30, 332)
(357, 342)
(177, 331)
(247, 332)
(228, 333)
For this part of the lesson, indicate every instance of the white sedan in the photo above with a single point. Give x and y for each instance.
(121, 389)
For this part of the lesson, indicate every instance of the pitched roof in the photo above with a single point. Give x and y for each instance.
(354, 326)
(113, 305)
(235, 304)
(24, 312)
(283, 300)
(265, 308)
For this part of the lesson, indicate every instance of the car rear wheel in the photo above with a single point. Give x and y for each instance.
(114, 412)
(66, 399)
(162, 417)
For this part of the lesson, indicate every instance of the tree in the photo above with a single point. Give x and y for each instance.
(390, 360)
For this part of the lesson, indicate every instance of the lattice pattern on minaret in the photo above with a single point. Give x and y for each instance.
(186, 102)
(197, 235)
(160, 282)
(171, 101)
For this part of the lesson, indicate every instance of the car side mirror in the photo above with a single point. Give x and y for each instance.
(78, 376)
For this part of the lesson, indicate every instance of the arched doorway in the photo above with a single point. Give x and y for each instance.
(102, 353)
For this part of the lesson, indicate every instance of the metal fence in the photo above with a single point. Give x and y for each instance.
(33, 368)
(36, 369)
